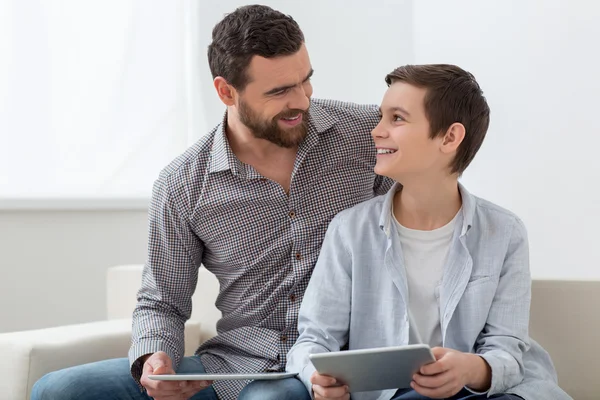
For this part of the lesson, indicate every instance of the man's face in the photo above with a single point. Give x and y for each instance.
(404, 147)
(274, 104)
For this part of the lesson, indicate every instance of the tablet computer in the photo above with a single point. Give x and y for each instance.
(223, 377)
(374, 369)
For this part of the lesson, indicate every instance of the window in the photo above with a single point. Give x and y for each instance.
(93, 96)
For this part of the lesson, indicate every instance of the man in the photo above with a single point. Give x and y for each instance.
(251, 201)
(428, 260)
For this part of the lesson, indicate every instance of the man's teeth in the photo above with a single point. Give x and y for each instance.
(385, 151)
(293, 118)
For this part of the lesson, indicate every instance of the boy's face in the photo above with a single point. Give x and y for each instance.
(402, 137)
(274, 104)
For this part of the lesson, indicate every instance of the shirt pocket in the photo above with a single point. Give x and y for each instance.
(476, 302)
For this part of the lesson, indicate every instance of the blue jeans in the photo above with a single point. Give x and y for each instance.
(409, 394)
(111, 379)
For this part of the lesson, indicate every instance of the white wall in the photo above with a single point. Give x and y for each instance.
(537, 62)
(352, 45)
(53, 263)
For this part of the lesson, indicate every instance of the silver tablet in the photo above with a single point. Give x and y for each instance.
(223, 377)
(374, 369)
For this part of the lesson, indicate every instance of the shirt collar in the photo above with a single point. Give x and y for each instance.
(223, 158)
(466, 220)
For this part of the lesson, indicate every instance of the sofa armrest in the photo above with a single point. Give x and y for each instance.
(29, 355)
(124, 281)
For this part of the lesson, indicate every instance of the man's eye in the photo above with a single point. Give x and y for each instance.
(398, 118)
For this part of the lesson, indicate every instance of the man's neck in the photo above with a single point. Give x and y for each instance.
(428, 203)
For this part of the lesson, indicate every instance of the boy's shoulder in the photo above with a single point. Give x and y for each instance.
(491, 215)
(368, 211)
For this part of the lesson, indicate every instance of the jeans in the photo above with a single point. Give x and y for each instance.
(111, 379)
(409, 394)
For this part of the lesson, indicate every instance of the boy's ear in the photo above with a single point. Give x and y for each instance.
(454, 136)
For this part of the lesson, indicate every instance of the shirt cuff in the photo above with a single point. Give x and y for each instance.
(305, 375)
(478, 393)
(143, 348)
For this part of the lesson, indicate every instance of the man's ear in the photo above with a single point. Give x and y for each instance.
(454, 136)
(225, 91)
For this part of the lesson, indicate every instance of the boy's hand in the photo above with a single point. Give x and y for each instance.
(450, 373)
(326, 388)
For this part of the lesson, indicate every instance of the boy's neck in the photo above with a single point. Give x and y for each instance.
(427, 204)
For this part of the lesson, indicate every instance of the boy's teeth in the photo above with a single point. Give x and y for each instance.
(385, 151)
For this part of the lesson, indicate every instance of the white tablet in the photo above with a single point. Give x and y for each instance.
(374, 369)
(223, 377)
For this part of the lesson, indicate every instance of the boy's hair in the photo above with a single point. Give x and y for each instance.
(453, 95)
(249, 31)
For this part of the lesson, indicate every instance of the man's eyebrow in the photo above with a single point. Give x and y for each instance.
(283, 88)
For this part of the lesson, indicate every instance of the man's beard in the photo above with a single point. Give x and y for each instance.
(270, 130)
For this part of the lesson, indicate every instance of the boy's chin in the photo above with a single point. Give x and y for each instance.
(385, 171)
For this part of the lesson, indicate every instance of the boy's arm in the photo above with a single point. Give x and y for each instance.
(505, 336)
(324, 317)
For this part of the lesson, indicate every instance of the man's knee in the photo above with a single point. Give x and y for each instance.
(285, 389)
(54, 386)
(104, 379)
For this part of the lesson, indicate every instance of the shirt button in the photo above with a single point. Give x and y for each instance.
(292, 214)
(292, 297)
(298, 256)
(283, 338)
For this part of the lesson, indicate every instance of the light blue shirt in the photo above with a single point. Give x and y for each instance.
(357, 297)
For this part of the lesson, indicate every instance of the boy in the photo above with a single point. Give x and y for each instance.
(456, 263)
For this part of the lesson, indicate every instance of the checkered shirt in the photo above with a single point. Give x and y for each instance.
(210, 209)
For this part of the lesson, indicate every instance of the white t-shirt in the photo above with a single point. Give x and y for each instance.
(425, 254)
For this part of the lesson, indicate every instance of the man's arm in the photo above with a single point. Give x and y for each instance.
(168, 282)
(324, 317)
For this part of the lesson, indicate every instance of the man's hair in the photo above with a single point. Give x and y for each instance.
(453, 95)
(249, 31)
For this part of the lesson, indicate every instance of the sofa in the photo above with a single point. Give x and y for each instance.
(564, 318)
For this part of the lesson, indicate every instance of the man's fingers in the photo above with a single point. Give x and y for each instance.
(194, 387)
(162, 387)
(163, 370)
(161, 363)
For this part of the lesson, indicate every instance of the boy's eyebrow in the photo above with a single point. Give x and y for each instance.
(282, 88)
(398, 109)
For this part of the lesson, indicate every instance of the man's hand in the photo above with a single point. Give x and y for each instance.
(158, 364)
(452, 371)
(326, 388)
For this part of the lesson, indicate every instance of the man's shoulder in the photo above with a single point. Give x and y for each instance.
(189, 166)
